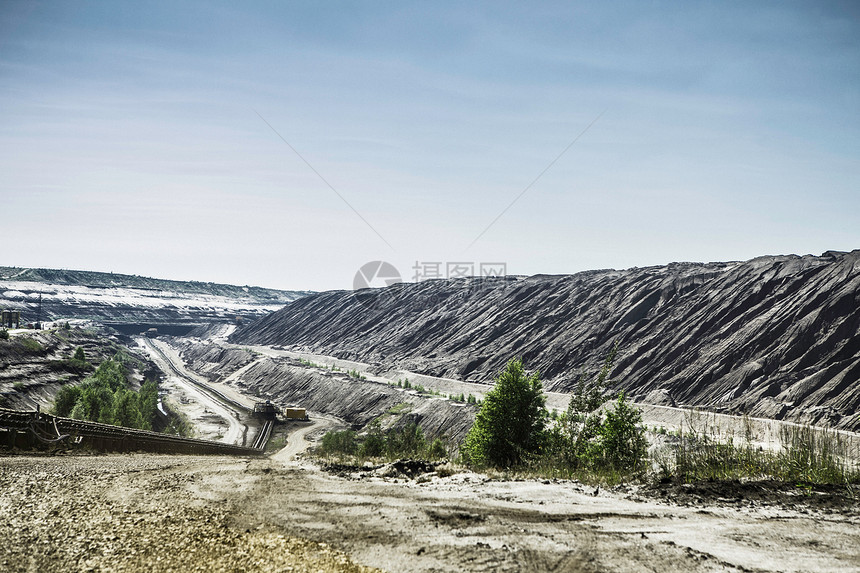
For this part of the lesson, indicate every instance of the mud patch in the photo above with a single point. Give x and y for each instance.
(454, 518)
(830, 499)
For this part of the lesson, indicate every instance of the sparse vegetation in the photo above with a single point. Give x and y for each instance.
(401, 408)
(600, 438)
(31, 345)
(807, 456)
(77, 364)
(589, 438)
(179, 424)
(394, 443)
(276, 443)
(513, 429)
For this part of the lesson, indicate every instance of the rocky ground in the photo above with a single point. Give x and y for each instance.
(137, 513)
(177, 513)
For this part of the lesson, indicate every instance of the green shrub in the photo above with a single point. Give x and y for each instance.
(77, 363)
(407, 441)
(621, 445)
(4, 334)
(343, 442)
(31, 345)
(373, 446)
(437, 449)
(510, 426)
(394, 443)
(588, 439)
(65, 400)
(105, 397)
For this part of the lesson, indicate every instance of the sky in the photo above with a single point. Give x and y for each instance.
(287, 144)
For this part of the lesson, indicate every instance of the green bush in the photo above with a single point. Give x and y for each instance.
(77, 363)
(373, 446)
(510, 426)
(621, 444)
(587, 438)
(105, 397)
(65, 400)
(343, 442)
(405, 442)
(394, 443)
(437, 449)
(4, 334)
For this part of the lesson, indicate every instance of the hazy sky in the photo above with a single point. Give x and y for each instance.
(130, 139)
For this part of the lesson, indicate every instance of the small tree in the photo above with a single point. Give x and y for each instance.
(339, 443)
(373, 445)
(406, 441)
(125, 411)
(79, 354)
(66, 399)
(588, 397)
(511, 422)
(589, 436)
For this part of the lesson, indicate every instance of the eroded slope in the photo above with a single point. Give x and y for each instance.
(774, 336)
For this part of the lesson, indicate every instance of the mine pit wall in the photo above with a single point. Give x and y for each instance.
(358, 402)
(136, 328)
(773, 337)
(213, 361)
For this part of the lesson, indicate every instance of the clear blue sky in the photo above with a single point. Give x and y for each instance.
(130, 140)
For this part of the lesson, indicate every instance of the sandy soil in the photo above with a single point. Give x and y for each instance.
(161, 513)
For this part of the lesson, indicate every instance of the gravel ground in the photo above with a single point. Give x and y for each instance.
(185, 513)
(135, 513)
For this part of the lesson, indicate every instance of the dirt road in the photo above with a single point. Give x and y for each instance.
(298, 442)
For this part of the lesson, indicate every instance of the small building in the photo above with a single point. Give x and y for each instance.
(11, 319)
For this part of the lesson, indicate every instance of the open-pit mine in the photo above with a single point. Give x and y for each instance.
(738, 352)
